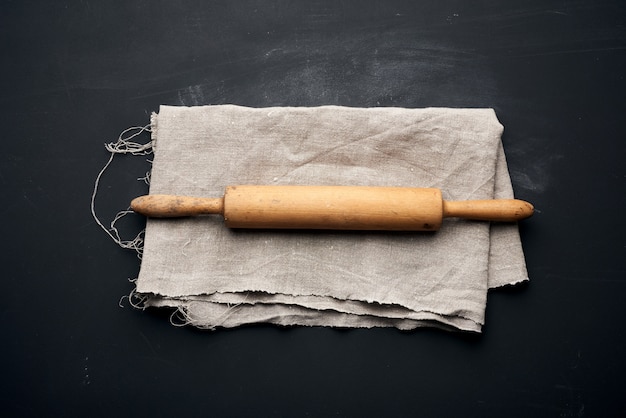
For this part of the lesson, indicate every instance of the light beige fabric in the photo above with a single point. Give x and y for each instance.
(222, 277)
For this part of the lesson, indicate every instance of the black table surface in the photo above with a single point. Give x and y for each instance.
(75, 74)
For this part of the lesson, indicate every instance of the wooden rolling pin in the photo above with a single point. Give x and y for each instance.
(332, 207)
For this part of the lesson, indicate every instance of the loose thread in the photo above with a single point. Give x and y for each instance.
(134, 244)
(146, 178)
(223, 317)
(136, 300)
(181, 316)
(123, 145)
(210, 324)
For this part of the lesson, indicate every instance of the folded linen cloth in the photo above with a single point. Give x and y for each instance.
(218, 277)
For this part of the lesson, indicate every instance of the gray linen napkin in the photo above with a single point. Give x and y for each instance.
(219, 277)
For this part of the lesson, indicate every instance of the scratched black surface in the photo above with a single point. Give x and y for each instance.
(75, 74)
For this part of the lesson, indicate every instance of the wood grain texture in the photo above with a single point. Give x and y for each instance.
(333, 207)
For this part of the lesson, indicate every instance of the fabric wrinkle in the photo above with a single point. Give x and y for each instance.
(218, 278)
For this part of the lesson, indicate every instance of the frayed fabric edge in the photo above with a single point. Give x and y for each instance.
(124, 145)
(216, 315)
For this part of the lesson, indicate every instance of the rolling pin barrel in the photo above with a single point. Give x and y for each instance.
(333, 207)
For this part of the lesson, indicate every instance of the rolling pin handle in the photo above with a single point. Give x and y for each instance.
(498, 210)
(169, 206)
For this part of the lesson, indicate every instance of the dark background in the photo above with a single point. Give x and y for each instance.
(75, 74)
